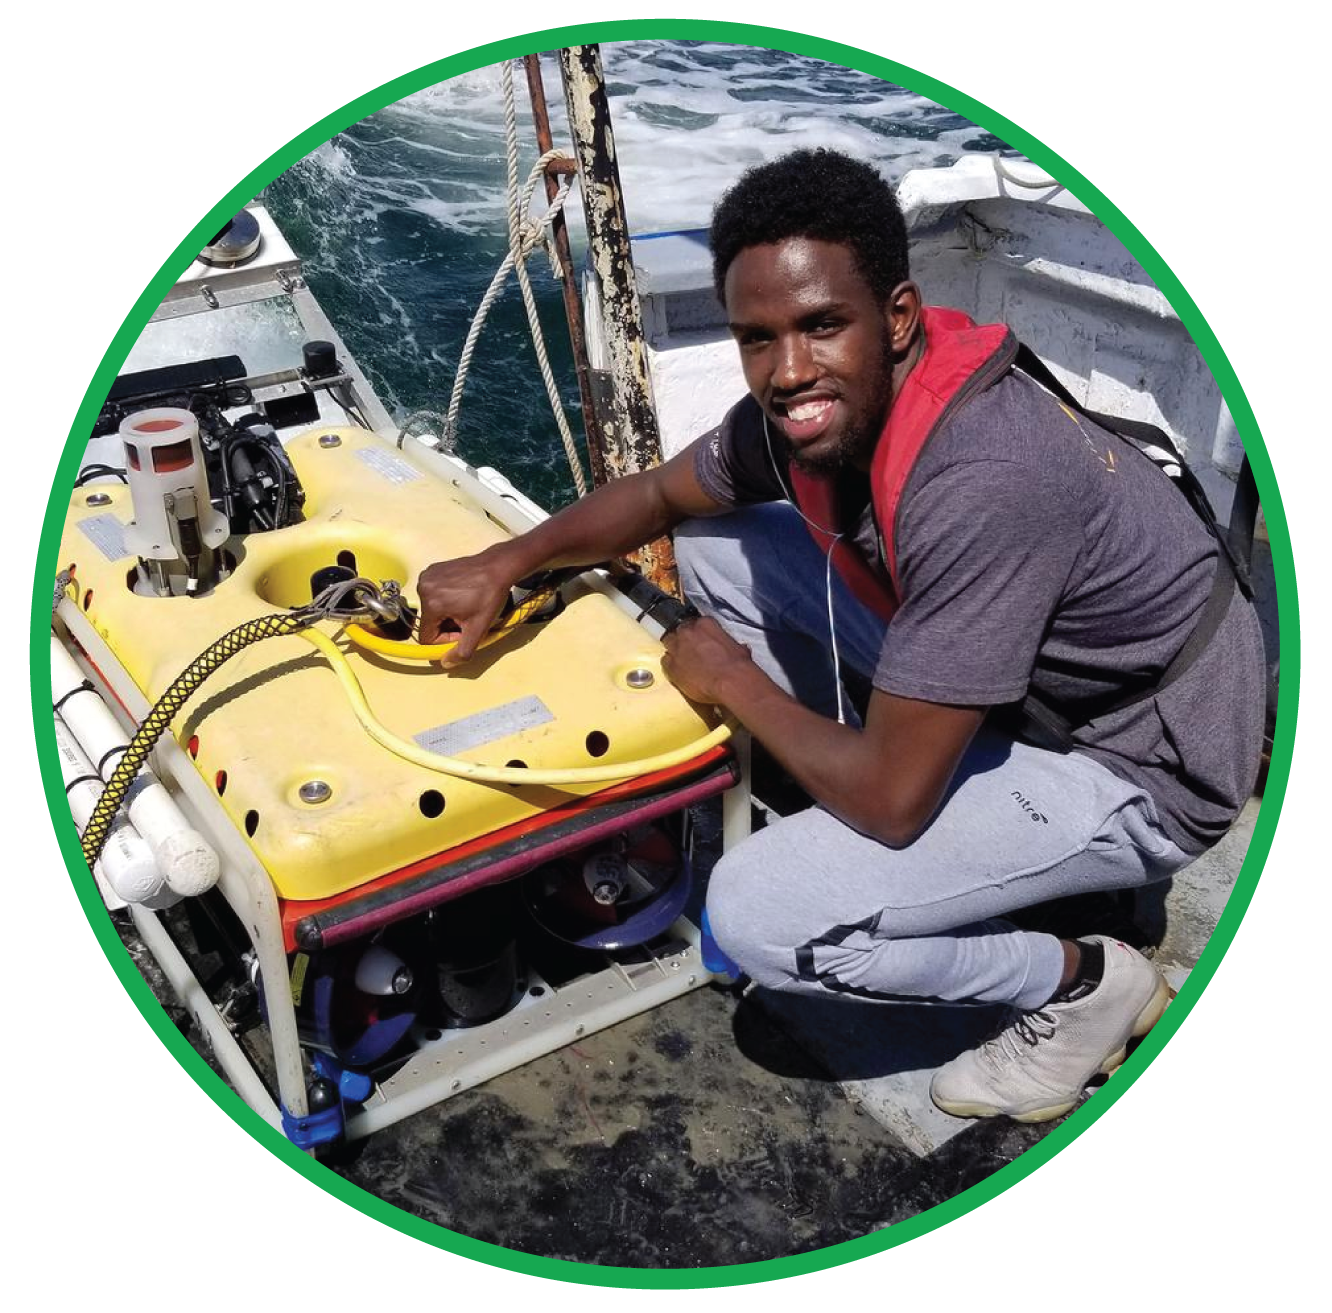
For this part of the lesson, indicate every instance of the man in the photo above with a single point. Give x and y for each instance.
(967, 541)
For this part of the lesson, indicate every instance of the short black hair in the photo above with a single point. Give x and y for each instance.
(820, 194)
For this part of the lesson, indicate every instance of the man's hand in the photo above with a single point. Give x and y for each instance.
(886, 779)
(461, 599)
(700, 657)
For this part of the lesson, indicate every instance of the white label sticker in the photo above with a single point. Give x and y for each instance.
(387, 465)
(485, 727)
(107, 534)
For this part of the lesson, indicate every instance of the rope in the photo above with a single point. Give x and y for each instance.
(1031, 184)
(516, 237)
(524, 238)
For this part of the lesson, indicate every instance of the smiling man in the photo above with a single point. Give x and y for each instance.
(816, 356)
(896, 505)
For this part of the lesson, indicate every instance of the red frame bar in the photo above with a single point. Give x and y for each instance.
(293, 911)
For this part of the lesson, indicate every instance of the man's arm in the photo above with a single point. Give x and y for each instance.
(465, 595)
(886, 779)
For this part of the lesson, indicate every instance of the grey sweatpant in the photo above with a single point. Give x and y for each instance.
(811, 904)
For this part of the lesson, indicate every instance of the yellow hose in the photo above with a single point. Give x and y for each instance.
(374, 642)
(498, 774)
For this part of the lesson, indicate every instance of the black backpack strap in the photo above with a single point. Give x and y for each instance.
(1041, 721)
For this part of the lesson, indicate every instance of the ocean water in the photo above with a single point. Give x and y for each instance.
(401, 219)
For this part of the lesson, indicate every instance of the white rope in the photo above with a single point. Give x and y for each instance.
(524, 238)
(1031, 184)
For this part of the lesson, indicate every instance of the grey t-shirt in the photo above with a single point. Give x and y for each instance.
(1036, 549)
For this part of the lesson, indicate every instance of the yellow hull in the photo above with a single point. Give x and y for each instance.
(274, 719)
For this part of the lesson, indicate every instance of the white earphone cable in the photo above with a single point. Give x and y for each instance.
(827, 579)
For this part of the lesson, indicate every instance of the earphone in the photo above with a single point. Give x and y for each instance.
(836, 538)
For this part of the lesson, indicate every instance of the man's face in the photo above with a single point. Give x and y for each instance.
(816, 348)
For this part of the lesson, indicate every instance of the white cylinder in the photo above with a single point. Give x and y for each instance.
(165, 897)
(167, 481)
(381, 971)
(126, 864)
(182, 854)
(111, 900)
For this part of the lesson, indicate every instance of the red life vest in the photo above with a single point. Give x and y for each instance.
(960, 359)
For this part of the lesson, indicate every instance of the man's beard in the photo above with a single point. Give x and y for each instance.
(856, 445)
(853, 448)
(825, 464)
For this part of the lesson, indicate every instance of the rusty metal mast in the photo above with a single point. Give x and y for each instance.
(559, 232)
(624, 423)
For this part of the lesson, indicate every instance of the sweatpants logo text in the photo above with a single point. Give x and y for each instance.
(1025, 804)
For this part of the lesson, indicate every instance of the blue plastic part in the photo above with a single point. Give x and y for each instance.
(651, 920)
(713, 958)
(314, 1128)
(353, 1086)
(377, 1040)
(653, 917)
(328, 1124)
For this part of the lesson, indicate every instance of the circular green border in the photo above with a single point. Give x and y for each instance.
(983, 116)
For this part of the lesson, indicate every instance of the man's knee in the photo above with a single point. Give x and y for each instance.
(710, 562)
(748, 548)
(740, 916)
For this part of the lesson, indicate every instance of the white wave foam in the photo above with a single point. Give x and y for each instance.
(332, 158)
(688, 120)
(473, 217)
(402, 218)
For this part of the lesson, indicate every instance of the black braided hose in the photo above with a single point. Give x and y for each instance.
(165, 710)
(183, 687)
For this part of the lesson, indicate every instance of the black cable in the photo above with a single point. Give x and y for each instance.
(355, 416)
(97, 471)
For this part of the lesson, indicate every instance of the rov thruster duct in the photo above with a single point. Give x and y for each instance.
(615, 896)
(478, 972)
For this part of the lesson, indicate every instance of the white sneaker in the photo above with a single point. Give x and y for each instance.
(1036, 1066)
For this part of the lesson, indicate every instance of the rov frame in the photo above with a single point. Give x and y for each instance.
(459, 1059)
